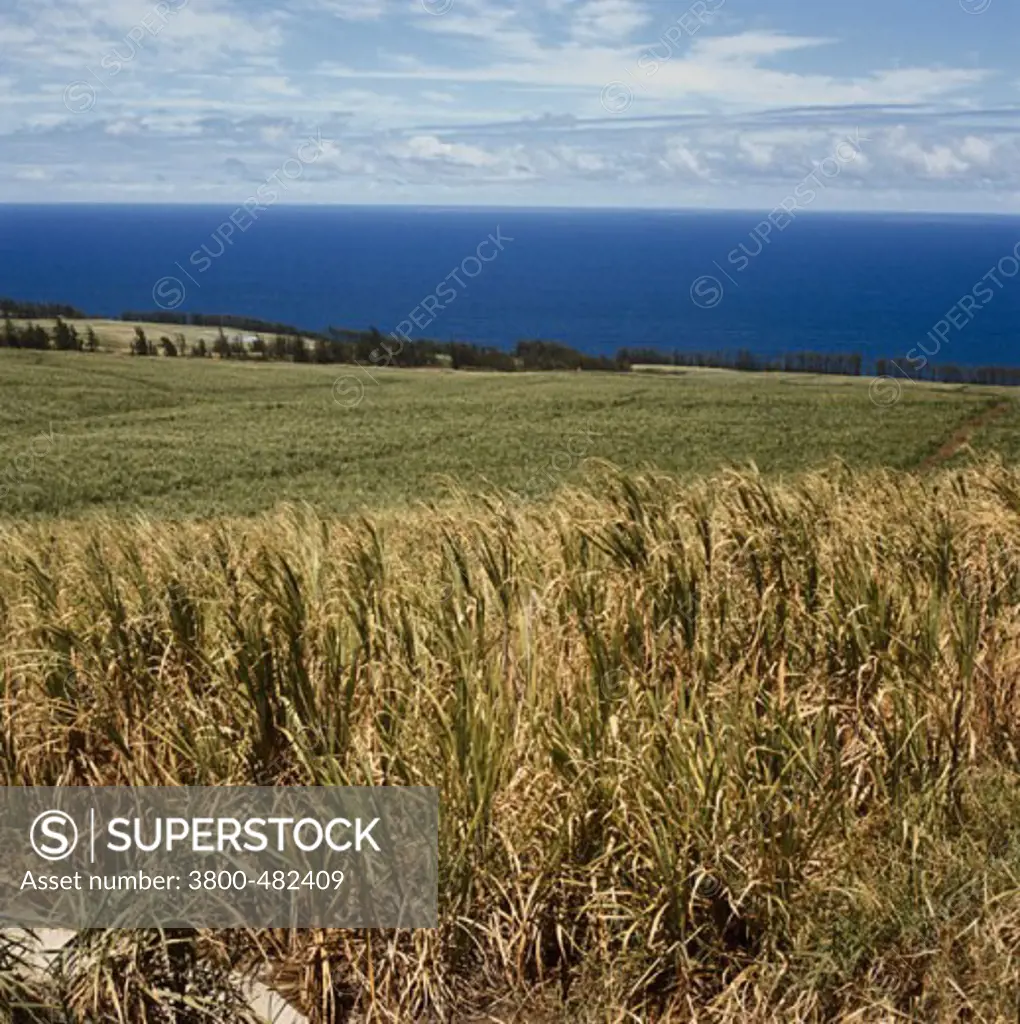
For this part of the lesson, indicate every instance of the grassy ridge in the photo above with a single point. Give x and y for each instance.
(117, 335)
(178, 437)
(731, 750)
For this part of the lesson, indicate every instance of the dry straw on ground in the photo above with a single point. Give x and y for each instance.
(724, 751)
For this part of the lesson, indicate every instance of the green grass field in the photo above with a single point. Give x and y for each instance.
(100, 433)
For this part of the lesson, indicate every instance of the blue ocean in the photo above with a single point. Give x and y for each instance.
(597, 280)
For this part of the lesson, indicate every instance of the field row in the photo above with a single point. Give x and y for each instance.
(90, 433)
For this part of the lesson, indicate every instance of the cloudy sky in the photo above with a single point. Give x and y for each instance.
(719, 103)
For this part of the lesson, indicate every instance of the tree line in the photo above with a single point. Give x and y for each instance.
(951, 373)
(234, 323)
(339, 345)
(343, 345)
(372, 348)
(285, 342)
(38, 310)
(849, 364)
(63, 337)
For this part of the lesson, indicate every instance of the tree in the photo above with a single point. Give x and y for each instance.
(322, 351)
(91, 341)
(64, 339)
(9, 338)
(140, 346)
(34, 336)
(182, 343)
(200, 351)
(221, 347)
(168, 347)
(296, 350)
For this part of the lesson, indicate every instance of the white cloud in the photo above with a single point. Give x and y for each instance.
(978, 152)
(761, 153)
(32, 174)
(726, 71)
(680, 157)
(350, 10)
(123, 128)
(601, 21)
(751, 45)
(428, 147)
(491, 93)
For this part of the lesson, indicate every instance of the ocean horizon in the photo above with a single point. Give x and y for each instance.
(882, 284)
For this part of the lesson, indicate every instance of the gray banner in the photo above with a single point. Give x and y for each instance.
(219, 857)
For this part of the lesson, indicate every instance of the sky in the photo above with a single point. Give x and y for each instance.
(889, 104)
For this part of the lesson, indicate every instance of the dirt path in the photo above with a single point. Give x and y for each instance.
(963, 434)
